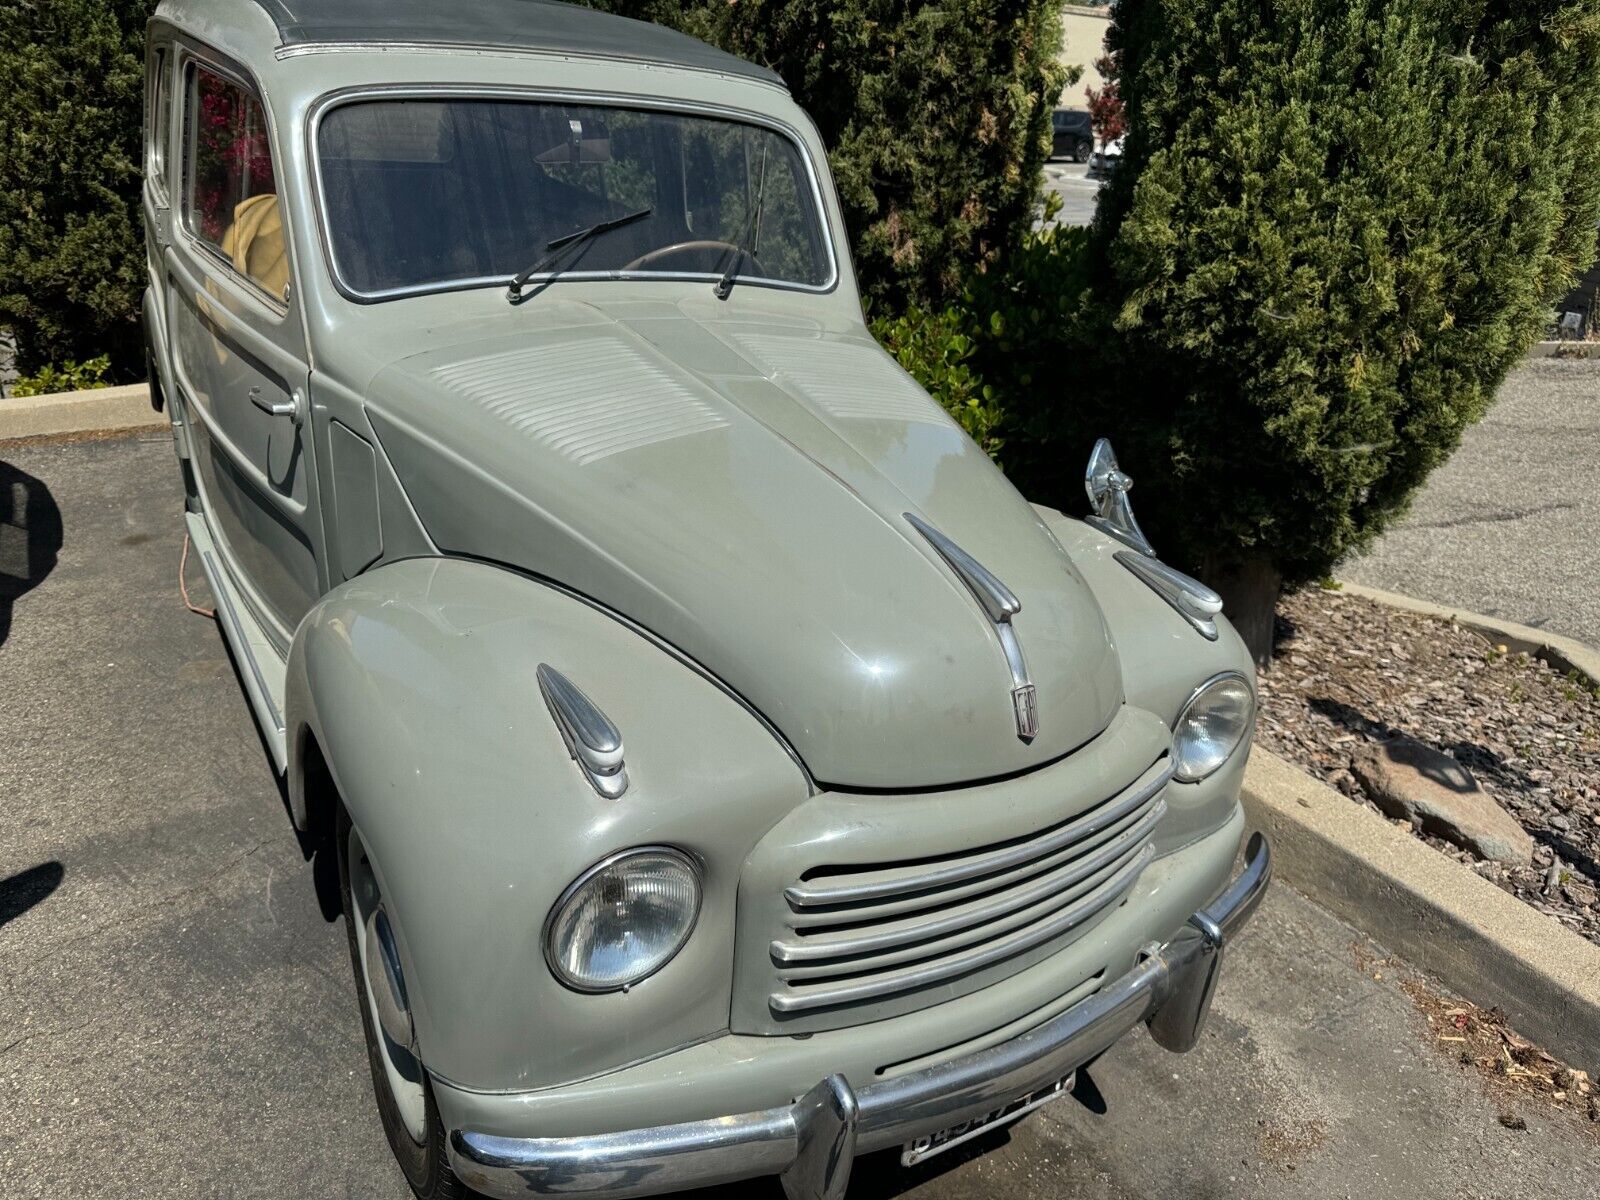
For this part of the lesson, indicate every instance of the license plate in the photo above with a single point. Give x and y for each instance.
(923, 1148)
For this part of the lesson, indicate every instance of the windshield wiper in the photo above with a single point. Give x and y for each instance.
(556, 247)
(746, 247)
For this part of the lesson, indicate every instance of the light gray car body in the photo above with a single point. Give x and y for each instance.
(798, 675)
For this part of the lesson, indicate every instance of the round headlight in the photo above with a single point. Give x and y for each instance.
(1212, 724)
(623, 919)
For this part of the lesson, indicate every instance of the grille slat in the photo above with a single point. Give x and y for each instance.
(935, 971)
(854, 934)
(896, 880)
(988, 909)
(813, 921)
(906, 951)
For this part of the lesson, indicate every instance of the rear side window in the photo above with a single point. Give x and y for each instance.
(231, 203)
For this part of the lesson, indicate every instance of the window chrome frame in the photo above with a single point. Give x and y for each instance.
(196, 55)
(446, 91)
(160, 68)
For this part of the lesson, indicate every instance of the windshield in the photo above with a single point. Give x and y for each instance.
(432, 193)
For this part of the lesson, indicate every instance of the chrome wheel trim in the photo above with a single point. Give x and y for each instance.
(401, 1069)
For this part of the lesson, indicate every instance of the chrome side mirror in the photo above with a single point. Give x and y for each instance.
(1108, 489)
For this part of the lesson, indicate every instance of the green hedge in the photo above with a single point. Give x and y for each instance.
(71, 247)
(1008, 337)
(1337, 224)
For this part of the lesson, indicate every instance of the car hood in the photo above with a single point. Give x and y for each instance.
(740, 488)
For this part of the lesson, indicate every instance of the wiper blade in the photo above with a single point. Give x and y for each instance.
(556, 247)
(745, 249)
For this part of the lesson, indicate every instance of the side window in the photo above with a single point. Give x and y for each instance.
(231, 202)
(157, 120)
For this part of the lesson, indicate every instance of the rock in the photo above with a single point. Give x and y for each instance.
(1408, 779)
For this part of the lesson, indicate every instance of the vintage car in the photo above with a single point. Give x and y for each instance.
(728, 772)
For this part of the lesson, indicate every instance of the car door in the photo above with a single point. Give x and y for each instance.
(238, 350)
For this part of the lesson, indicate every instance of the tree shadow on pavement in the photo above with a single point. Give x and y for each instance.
(25, 889)
(30, 537)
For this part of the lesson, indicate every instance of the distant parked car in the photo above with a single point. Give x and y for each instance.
(1105, 159)
(1073, 137)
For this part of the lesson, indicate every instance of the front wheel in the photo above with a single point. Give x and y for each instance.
(405, 1098)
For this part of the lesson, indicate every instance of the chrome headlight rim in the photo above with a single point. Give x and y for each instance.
(547, 936)
(1187, 707)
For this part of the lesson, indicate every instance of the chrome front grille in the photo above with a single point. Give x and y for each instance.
(854, 935)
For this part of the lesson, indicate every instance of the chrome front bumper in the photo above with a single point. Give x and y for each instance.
(812, 1143)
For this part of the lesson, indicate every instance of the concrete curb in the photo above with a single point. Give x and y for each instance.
(64, 413)
(1482, 942)
(1569, 349)
(1563, 653)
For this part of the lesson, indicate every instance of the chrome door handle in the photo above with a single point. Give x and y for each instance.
(294, 407)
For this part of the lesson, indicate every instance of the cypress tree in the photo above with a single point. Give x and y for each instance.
(71, 246)
(1336, 226)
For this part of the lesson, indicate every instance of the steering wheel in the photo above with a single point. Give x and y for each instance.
(678, 249)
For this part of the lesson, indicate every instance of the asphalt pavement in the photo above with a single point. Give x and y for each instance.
(177, 1016)
(1509, 526)
(1077, 190)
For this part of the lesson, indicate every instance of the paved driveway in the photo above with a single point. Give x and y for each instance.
(1078, 192)
(177, 1016)
(1510, 526)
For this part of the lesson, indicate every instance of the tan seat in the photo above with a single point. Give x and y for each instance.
(254, 242)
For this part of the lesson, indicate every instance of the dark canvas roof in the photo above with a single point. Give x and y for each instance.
(521, 24)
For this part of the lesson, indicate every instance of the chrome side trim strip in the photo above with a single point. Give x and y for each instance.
(999, 601)
(999, 604)
(812, 1143)
(805, 895)
(815, 948)
(976, 959)
(593, 741)
(1193, 600)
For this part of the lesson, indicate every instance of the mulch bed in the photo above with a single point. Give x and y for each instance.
(1348, 671)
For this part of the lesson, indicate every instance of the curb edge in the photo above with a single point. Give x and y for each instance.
(1562, 653)
(1482, 942)
(64, 414)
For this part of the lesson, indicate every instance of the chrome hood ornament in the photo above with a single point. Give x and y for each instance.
(591, 738)
(1108, 488)
(999, 604)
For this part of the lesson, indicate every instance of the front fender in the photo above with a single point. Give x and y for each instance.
(417, 681)
(1163, 660)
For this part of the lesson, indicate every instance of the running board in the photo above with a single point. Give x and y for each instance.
(260, 667)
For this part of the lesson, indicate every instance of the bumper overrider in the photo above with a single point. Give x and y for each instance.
(812, 1143)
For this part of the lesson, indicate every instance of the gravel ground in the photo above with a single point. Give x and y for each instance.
(1348, 671)
(1509, 525)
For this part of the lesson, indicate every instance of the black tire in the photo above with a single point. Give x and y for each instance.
(426, 1166)
(1081, 151)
